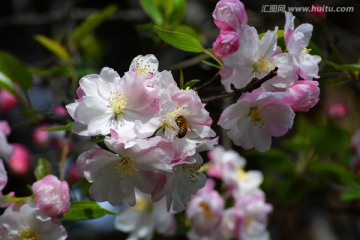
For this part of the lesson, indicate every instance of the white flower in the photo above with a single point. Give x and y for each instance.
(256, 58)
(107, 101)
(26, 222)
(145, 218)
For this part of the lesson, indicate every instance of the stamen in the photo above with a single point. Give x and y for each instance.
(27, 234)
(125, 167)
(256, 117)
(117, 102)
(262, 65)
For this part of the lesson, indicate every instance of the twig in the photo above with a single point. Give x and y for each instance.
(252, 85)
(207, 83)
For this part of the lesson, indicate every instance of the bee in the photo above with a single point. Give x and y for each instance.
(182, 123)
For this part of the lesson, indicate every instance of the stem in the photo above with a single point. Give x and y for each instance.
(252, 85)
(215, 58)
(207, 83)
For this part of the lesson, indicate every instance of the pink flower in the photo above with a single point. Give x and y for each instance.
(115, 175)
(60, 110)
(6, 149)
(51, 195)
(19, 162)
(255, 118)
(27, 222)
(337, 110)
(7, 101)
(305, 95)
(318, 12)
(230, 15)
(3, 177)
(226, 43)
(205, 210)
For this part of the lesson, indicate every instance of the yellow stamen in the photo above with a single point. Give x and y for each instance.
(27, 234)
(262, 65)
(206, 208)
(125, 167)
(118, 102)
(256, 117)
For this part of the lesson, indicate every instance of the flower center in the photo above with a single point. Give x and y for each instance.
(206, 208)
(118, 102)
(27, 234)
(262, 65)
(248, 220)
(141, 204)
(192, 170)
(240, 174)
(125, 167)
(256, 117)
(304, 51)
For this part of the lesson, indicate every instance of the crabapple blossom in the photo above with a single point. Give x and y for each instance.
(6, 149)
(255, 58)
(28, 222)
(183, 181)
(146, 217)
(205, 210)
(20, 160)
(304, 95)
(337, 110)
(226, 43)
(3, 177)
(107, 101)
(115, 175)
(255, 118)
(51, 195)
(230, 15)
(7, 101)
(318, 12)
(296, 41)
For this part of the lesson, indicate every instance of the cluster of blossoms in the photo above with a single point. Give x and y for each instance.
(153, 133)
(35, 217)
(269, 110)
(245, 215)
(240, 212)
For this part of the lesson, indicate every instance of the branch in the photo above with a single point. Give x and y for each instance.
(251, 86)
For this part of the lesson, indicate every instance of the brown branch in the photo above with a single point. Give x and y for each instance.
(251, 86)
(207, 83)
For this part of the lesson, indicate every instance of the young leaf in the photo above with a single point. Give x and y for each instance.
(91, 23)
(14, 71)
(190, 83)
(66, 127)
(176, 13)
(211, 64)
(53, 47)
(42, 169)
(83, 210)
(151, 9)
(179, 40)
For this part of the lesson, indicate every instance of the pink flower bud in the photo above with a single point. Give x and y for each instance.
(337, 110)
(226, 43)
(229, 15)
(40, 136)
(7, 101)
(19, 162)
(51, 195)
(318, 12)
(60, 110)
(304, 95)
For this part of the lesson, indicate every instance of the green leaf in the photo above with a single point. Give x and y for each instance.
(186, 29)
(42, 169)
(179, 40)
(152, 11)
(91, 23)
(350, 196)
(331, 169)
(53, 47)
(211, 64)
(9, 198)
(328, 140)
(14, 71)
(83, 210)
(176, 13)
(66, 127)
(55, 71)
(191, 83)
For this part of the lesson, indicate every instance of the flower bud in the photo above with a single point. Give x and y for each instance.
(229, 15)
(304, 95)
(226, 43)
(51, 195)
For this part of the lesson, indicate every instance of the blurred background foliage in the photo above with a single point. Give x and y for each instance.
(311, 175)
